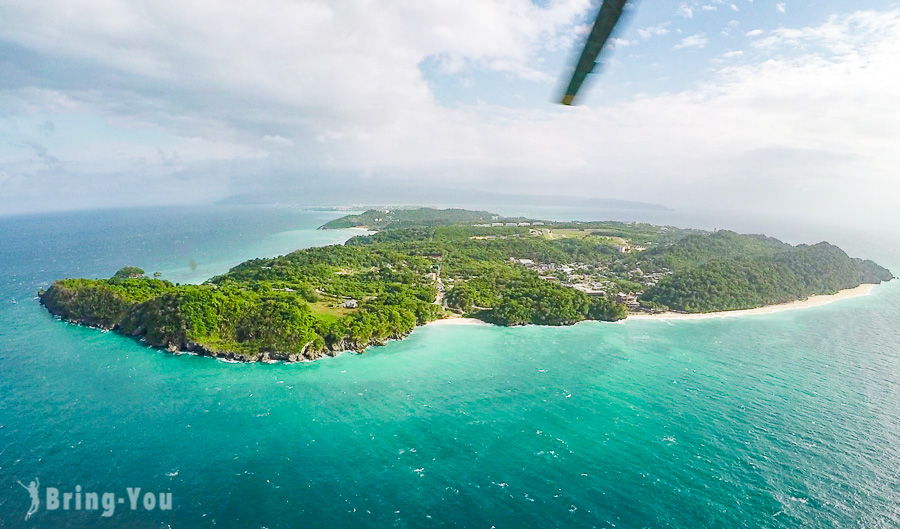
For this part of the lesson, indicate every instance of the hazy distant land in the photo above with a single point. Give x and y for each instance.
(362, 192)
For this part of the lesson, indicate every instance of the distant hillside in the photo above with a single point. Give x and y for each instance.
(728, 271)
(395, 218)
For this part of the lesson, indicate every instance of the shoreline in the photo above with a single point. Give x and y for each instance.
(270, 358)
(813, 301)
(360, 230)
(457, 320)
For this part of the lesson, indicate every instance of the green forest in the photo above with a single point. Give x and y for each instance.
(428, 264)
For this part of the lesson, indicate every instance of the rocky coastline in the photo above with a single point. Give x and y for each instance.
(308, 353)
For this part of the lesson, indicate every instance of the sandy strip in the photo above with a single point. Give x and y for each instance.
(458, 321)
(812, 301)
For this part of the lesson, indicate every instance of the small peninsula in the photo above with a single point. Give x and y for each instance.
(425, 264)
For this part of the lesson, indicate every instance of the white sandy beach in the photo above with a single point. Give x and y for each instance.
(458, 321)
(812, 301)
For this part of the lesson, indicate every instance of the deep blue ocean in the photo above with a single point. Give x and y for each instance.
(774, 421)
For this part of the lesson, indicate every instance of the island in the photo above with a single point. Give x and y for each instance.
(414, 266)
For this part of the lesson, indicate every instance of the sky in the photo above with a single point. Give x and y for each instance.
(749, 105)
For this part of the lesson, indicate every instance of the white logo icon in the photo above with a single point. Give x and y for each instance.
(32, 489)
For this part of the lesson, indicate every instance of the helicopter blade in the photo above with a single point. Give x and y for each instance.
(607, 18)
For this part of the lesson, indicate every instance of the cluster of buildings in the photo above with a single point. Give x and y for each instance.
(594, 280)
(648, 279)
(507, 224)
(547, 268)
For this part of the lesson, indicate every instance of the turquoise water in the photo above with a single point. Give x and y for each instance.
(783, 420)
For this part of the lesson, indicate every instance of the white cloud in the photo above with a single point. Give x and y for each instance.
(278, 140)
(781, 7)
(651, 31)
(307, 54)
(236, 85)
(730, 27)
(685, 10)
(698, 40)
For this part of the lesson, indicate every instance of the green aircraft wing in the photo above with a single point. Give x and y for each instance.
(607, 18)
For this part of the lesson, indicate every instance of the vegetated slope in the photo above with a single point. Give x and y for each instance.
(378, 219)
(286, 308)
(728, 273)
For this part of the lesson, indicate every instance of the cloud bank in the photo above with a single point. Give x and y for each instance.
(108, 103)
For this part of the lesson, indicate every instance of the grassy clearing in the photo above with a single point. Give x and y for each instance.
(567, 233)
(330, 308)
